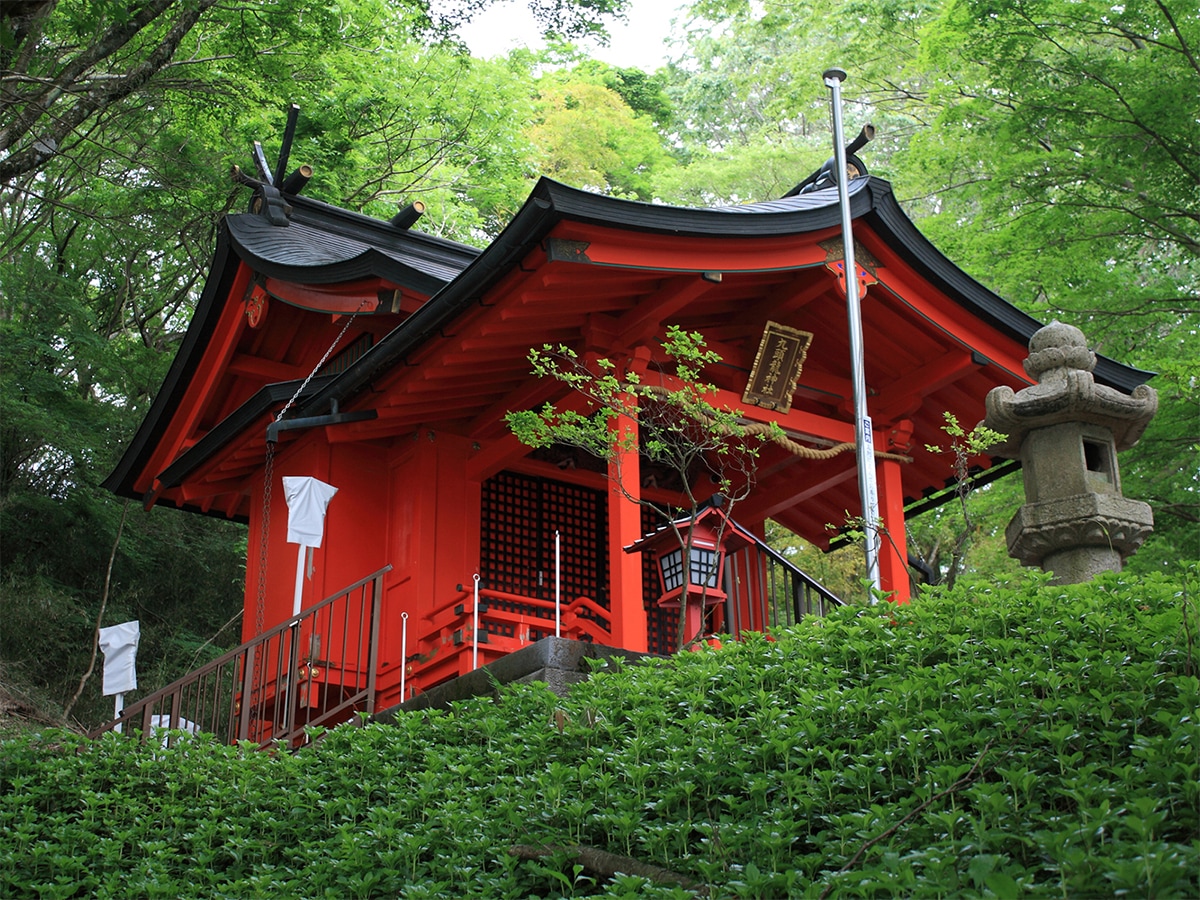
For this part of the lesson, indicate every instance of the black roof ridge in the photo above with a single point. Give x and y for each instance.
(304, 208)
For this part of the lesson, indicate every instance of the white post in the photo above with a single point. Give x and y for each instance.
(299, 592)
(557, 584)
(403, 651)
(863, 437)
(307, 499)
(119, 645)
(475, 628)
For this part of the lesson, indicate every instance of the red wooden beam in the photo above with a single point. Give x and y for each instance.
(612, 247)
(792, 297)
(649, 315)
(532, 393)
(268, 370)
(954, 321)
(904, 395)
(796, 486)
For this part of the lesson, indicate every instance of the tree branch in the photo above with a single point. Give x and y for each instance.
(35, 108)
(608, 864)
(100, 615)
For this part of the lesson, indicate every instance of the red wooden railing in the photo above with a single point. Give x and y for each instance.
(764, 589)
(318, 668)
(446, 645)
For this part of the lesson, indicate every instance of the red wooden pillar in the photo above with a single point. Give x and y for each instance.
(627, 605)
(893, 553)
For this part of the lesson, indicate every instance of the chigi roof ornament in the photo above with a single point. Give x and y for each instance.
(826, 176)
(270, 187)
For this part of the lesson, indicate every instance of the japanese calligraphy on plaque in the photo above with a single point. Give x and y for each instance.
(777, 367)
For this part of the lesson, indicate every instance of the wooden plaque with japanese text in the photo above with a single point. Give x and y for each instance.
(777, 367)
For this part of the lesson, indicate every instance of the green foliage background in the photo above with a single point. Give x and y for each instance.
(992, 740)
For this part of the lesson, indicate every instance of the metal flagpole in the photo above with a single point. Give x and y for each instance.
(863, 439)
(298, 593)
(403, 652)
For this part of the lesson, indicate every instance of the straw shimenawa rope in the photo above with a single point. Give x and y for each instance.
(776, 435)
(813, 452)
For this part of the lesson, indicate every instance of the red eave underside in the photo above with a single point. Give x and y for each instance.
(619, 292)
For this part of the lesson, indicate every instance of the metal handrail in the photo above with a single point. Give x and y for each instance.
(766, 589)
(803, 576)
(271, 688)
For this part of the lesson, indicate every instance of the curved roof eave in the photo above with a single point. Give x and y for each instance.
(325, 245)
(187, 359)
(371, 247)
(914, 248)
(550, 202)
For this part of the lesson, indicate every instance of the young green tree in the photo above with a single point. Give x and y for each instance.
(1060, 168)
(585, 134)
(666, 416)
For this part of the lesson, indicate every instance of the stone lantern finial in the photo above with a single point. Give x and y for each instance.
(1066, 430)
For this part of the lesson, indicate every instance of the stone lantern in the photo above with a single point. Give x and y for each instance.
(1066, 430)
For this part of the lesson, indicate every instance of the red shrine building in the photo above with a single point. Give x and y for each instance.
(395, 355)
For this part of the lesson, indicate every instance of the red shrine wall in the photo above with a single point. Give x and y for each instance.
(354, 544)
(410, 503)
(429, 515)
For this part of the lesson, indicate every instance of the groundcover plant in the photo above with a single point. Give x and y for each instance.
(994, 740)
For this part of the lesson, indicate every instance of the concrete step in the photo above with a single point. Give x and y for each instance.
(559, 662)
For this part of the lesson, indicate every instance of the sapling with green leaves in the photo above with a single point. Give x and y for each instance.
(660, 408)
(964, 446)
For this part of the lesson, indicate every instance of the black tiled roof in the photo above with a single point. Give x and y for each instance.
(326, 245)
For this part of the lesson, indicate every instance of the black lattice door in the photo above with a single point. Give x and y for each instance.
(520, 514)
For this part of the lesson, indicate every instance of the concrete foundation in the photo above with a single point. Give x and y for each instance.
(559, 662)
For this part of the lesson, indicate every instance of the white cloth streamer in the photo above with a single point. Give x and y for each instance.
(307, 499)
(119, 645)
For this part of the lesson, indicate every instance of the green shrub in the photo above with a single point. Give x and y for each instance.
(993, 740)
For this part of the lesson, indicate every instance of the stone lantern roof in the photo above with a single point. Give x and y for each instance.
(1062, 364)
